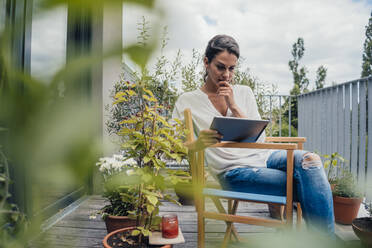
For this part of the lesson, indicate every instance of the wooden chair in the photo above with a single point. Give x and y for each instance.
(201, 191)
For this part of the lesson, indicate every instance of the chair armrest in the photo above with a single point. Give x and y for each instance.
(191, 145)
(276, 146)
(285, 139)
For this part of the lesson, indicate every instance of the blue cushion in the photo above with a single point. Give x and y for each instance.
(244, 196)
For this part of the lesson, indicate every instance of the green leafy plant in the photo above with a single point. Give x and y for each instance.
(111, 167)
(345, 186)
(330, 163)
(12, 220)
(149, 139)
(368, 207)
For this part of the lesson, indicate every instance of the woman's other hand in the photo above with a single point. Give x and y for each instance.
(207, 138)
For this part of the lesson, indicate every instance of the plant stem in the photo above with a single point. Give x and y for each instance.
(6, 186)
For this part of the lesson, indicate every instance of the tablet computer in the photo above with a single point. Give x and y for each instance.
(238, 129)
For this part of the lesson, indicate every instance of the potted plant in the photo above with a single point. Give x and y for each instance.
(115, 213)
(346, 198)
(363, 227)
(330, 163)
(149, 139)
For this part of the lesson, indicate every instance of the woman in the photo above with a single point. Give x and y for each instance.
(251, 171)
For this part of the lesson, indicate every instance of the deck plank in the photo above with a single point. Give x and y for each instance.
(77, 229)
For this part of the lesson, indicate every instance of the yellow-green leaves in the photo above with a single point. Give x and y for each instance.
(152, 199)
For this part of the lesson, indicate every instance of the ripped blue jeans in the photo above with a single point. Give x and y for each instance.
(310, 186)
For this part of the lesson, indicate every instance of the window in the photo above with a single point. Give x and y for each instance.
(48, 42)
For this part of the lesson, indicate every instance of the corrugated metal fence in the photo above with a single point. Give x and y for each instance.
(338, 119)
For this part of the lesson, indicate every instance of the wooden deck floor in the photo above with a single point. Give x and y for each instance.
(78, 229)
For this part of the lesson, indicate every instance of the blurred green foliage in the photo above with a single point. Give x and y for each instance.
(52, 140)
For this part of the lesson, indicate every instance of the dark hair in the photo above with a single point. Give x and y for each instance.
(220, 43)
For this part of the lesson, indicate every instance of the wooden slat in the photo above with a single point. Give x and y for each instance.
(362, 134)
(289, 202)
(347, 127)
(369, 146)
(317, 146)
(189, 126)
(340, 123)
(275, 146)
(334, 121)
(285, 139)
(244, 219)
(323, 147)
(244, 196)
(354, 130)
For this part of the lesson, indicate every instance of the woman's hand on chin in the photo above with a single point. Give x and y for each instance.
(225, 89)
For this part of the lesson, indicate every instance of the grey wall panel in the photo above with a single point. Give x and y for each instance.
(340, 122)
(311, 135)
(369, 146)
(323, 145)
(362, 133)
(354, 130)
(318, 123)
(347, 127)
(334, 121)
(328, 122)
(300, 116)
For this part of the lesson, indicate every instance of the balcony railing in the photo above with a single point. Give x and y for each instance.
(338, 119)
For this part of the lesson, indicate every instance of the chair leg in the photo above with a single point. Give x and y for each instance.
(201, 231)
(230, 225)
(299, 216)
(200, 208)
(221, 209)
(282, 209)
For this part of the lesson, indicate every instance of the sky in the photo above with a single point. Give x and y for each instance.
(333, 32)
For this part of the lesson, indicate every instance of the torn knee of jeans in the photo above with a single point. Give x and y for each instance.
(311, 160)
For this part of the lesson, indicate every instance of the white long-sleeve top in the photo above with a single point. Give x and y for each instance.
(203, 111)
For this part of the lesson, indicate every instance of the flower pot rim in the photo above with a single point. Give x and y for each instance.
(118, 216)
(356, 226)
(349, 198)
(105, 244)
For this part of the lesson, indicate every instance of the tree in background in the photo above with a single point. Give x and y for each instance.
(321, 74)
(301, 82)
(367, 53)
(192, 74)
(300, 79)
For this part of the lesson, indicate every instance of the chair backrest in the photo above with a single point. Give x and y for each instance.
(196, 157)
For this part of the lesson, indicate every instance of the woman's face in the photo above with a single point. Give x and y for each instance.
(221, 68)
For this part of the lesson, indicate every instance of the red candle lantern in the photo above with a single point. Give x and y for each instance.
(169, 226)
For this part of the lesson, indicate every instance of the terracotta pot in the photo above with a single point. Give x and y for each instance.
(346, 209)
(363, 229)
(118, 222)
(112, 235)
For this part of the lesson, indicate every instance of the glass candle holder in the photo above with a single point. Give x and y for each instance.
(169, 226)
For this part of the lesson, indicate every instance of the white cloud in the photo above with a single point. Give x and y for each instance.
(48, 42)
(333, 32)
